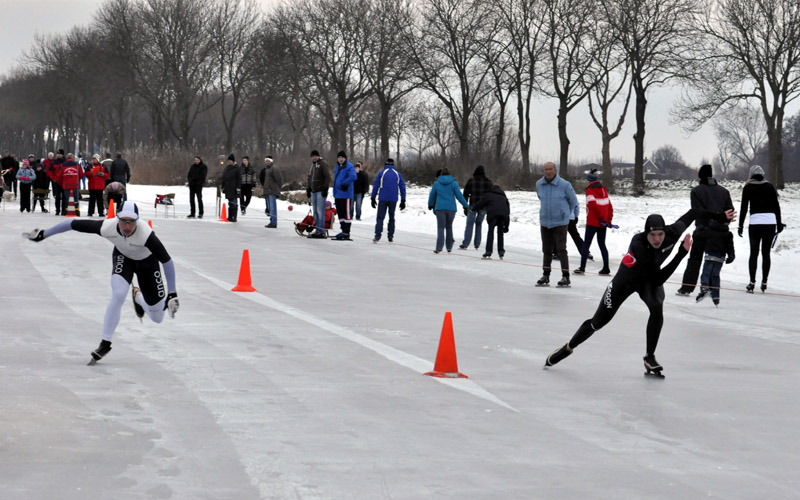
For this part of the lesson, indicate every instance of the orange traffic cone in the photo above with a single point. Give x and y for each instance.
(446, 362)
(111, 213)
(224, 216)
(150, 223)
(244, 284)
(71, 209)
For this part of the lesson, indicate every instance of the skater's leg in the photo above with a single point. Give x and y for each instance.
(693, 263)
(391, 206)
(766, 247)
(547, 249)
(449, 218)
(479, 217)
(653, 297)
(588, 236)
(119, 292)
(560, 236)
(151, 284)
(615, 294)
(714, 281)
(490, 238)
(469, 228)
(572, 229)
(601, 242)
(755, 244)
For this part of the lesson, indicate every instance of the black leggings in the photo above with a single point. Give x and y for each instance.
(760, 238)
(616, 293)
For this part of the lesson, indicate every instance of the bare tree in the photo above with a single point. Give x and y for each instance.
(751, 51)
(658, 38)
(743, 131)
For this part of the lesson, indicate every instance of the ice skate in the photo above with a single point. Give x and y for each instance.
(135, 292)
(702, 295)
(462, 247)
(580, 270)
(763, 286)
(486, 256)
(544, 280)
(375, 240)
(563, 282)
(749, 288)
(100, 352)
(605, 272)
(683, 293)
(557, 355)
(653, 368)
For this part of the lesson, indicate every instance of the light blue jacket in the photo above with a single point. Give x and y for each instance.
(26, 175)
(444, 193)
(558, 202)
(343, 178)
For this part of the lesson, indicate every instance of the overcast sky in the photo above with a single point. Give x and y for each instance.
(22, 19)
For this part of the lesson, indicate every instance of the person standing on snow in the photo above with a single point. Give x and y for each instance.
(137, 250)
(196, 178)
(498, 215)
(344, 175)
(477, 186)
(248, 183)
(557, 202)
(231, 184)
(319, 180)
(442, 200)
(388, 184)
(272, 183)
(765, 220)
(599, 213)
(641, 272)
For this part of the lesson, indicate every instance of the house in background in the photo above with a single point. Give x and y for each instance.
(625, 170)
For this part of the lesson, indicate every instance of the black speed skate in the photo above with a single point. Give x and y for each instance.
(544, 280)
(136, 307)
(564, 282)
(100, 352)
(557, 355)
(653, 368)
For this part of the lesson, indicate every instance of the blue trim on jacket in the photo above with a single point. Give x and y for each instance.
(387, 183)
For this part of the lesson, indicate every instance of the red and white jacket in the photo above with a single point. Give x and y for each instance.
(70, 175)
(598, 205)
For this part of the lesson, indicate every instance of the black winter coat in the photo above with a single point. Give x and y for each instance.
(710, 196)
(197, 175)
(231, 181)
(495, 203)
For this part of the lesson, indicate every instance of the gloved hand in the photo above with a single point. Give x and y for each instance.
(172, 304)
(325, 193)
(739, 232)
(308, 192)
(730, 259)
(430, 207)
(781, 227)
(345, 187)
(505, 229)
(466, 210)
(36, 235)
(373, 203)
(402, 204)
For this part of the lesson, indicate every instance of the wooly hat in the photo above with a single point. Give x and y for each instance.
(129, 210)
(314, 152)
(341, 154)
(231, 157)
(654, 222)
(479, 171)
(390, 161)
(705, 172)
(593, 175)
(268, 159)
(756, 170)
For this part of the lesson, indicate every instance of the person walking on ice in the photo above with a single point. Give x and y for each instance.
(641, 272)
(137, 250)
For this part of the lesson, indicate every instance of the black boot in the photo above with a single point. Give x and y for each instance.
(559, 354)
(102, 350)
(750, 287)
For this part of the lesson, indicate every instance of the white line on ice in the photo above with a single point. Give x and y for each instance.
(401, 358)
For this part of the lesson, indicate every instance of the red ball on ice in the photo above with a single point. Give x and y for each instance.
(291, 208)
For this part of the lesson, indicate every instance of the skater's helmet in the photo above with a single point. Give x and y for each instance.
(129, 210)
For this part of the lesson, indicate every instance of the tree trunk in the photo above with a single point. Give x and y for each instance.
(563, 169)
(501, 134)
(524, 133)
(608, 178)
(384, 128)
(775, 155)
(638, 159)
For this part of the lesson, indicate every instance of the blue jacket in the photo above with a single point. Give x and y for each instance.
(444, 193)
(558, 202)
(343, 179)
(387, 184)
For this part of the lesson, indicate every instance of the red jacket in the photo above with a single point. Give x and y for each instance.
(48, 169)
(70, 175)
(97, 176)
(598, 205)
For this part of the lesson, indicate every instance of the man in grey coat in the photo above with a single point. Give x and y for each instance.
(272, 181)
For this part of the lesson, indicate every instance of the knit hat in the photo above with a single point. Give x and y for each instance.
(341, 154)
(654, 222)
(479, 171)
(246, 158)
(61, 152)
(231, 157)
(26, 163)
(268, 158)
(314, 152)
(593, 175)
(705, 172)
(756, 170)
(129, 210)
(390, 161)
(96, 157)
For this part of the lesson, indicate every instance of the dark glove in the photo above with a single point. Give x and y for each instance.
(466, 210)
(36, 235)
(325, 193)
(172, 304)
(740, 232)
(730, 258)
(373, 203)
(402, 204)
(345, 187)
(781, 227)
(308, 192)
(430, 207)
(505, 229)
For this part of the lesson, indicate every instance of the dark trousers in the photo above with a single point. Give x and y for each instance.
(58, 195)
(694, 262)
(615, 294)
(601, 242)
(65, 202)
(196, 192)
(24, 197)
(760, 239)
(554, 239)
(96, 198)
(385, 207)
(246, 195)
(233, 209)
(344, 208)
(500, 223)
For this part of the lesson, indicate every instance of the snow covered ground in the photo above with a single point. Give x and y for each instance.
(312, 387)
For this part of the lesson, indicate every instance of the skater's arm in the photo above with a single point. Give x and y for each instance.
(169, 274)
(665, 272)
(83, 226)
(157, 248)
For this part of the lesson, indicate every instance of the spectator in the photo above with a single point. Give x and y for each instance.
(765, 222)
(248, 182)
(196, 178)
(498, 213)
(231, 184)
(442, 200)
(9, 173)
(477, 186)
(107, 163)
(120, 172)
(710, 196)
(344, 175)
(719, 244)
(85, 167)
(69, 176)
(360, 188)
(599, 213)
(114, 191)
(97, 175)
(319, 180)
(388, 183)
(51, 165)
(557, 201)
(272, 182)
(25, 176)
(42, 182)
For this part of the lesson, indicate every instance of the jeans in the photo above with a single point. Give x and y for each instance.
(710, 277)
(444, 224)
(601, 242)
(318, 206)
(383, 207)
(474, 219)
(272, 208)
(359, 197)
